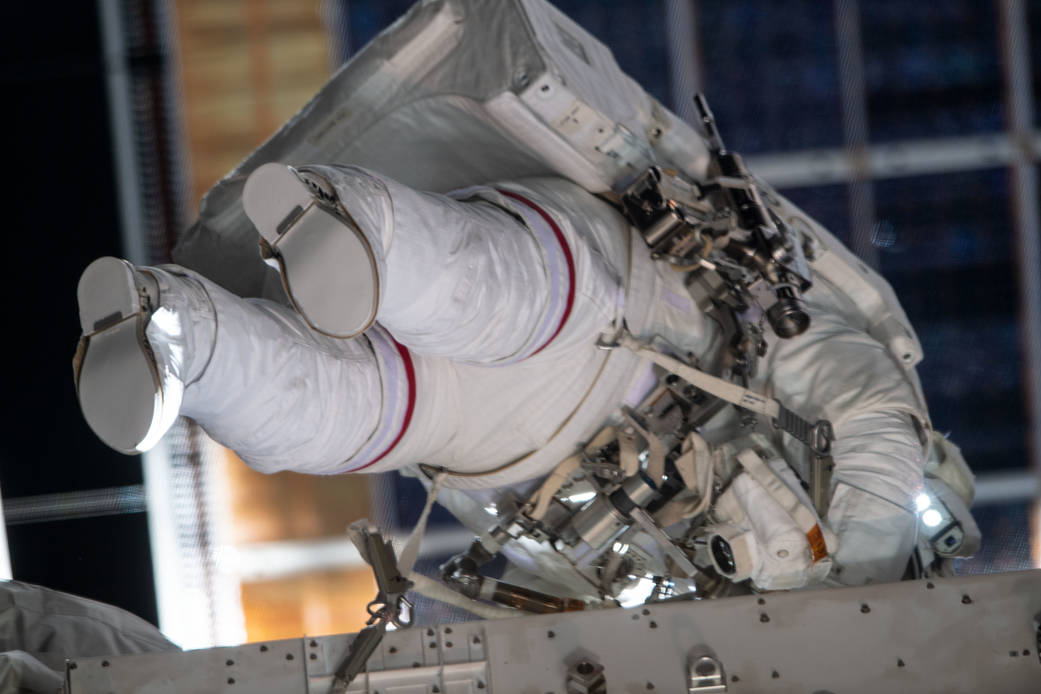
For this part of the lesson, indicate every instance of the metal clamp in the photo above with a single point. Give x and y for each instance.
(817, 437)
(388, 607)
(612, 341)
(821, 437)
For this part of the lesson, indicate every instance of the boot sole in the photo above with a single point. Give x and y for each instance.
(116, 377)
(327, 265)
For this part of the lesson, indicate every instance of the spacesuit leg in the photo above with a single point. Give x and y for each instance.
(147, 333)
(158, 342)
(467, 280)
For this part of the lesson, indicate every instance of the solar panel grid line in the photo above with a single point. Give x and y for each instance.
(1015, 43)
(118, 84)
(853, 99)
(92, 503)
(1000, 488)
(684, 56)
(894, 159)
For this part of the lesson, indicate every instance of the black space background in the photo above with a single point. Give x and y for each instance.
(60, 212)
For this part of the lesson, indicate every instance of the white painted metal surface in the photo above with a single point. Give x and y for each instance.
(965, 634)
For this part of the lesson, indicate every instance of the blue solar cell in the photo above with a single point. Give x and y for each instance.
(1006, 540)
(770, 73)
(945, 243)
(971, 376)
(943, 221)
(366, 18)
(1034, 22)
(828, 205)
(931, 69)
(634, 30)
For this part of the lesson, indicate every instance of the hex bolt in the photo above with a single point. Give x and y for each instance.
(966, 600)
(586, 677)
(864, 609)
(764, 618)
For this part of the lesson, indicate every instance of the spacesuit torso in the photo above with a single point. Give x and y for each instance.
(504, 424)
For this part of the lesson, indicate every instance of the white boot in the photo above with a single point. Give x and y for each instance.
(327, 264)
(147, 334)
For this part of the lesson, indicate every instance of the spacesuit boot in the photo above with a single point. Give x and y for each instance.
(137, 355)
(465, 276)
(327, 263)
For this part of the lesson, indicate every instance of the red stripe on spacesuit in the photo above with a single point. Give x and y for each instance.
(568, 258)
(410, 375)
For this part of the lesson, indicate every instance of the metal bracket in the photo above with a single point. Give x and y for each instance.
(586, 677)
(705, 675)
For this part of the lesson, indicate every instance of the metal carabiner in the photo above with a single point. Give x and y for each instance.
(609, 342)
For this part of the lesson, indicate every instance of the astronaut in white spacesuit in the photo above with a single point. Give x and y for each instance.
(465, 332)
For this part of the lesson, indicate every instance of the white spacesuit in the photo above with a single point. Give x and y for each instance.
(595, 320)
(483, 358)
